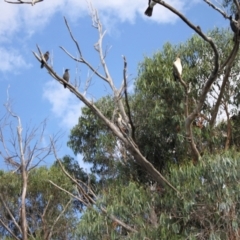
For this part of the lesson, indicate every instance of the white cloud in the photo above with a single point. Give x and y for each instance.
(9, 21)
(24, 17)
(27, 19)
(11, 60)
(65, 105)
(125, 10)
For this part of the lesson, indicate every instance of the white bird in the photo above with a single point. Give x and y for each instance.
(177, 68)
(149, 10)
(123, 126)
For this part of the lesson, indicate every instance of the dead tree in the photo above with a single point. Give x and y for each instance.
(127, 139)
(24, 153)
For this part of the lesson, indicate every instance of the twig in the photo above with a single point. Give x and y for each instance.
(10, 214)
(8, 229)
(216, 8)
(126, 97)
(56, 220)
(23, 2)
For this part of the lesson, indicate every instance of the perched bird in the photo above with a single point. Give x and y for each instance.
(234, 24)
(46, 57)
(149, 10)
(66, 77)
(123, 126)
(177, 68)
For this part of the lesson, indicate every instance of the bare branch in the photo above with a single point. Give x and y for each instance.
(81, 59)
(9, 230)
(87, 204)
(56, 220)
(23, 173)
(126, 98)
(21, 155)
(24, 2)
(216, 8)
(195, 28)
(64, 190)
(10, 214)
(231, 57)
(86, 198)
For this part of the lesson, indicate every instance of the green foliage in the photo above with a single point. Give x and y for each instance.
(158, 110)
(208, 207)
(129, 203)
(44, 202)
(72, 167)
(91, 138)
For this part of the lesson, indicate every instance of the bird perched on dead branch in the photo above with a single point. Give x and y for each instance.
(177, 68)
(46, 57)
(66, 77)
(123, 126)
(149, 10)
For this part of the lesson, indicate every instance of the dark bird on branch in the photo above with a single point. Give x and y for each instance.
(234, 24)
(46, 57)
(177, 69)
(149, 10)
(66, 77)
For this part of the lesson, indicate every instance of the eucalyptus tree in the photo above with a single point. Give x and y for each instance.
(192, 108)
(193, 104)
(50, 213)
(158, 107)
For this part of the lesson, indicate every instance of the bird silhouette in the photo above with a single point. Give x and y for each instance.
(149, 10)
(66, 77)
(46, 57)
(234, 24)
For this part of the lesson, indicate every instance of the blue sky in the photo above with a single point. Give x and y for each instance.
(36, 96)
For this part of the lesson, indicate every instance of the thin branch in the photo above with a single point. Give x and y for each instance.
(86, 196)
(216, 8)
(72, 195)
(114, 219)
(98, 25)
(24, 2)
(229, 128)
(9, 230)
(81, 59)
(10, 214)
(229, 65)
(56, 220)
(45, 210)
(84, 193)
(231, 56)
(191, 25)
(126, 98)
